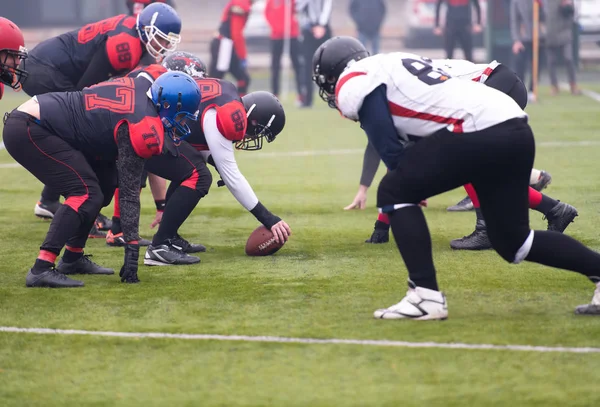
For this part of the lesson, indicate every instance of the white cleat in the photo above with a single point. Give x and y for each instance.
(420, 304)
(592, 308)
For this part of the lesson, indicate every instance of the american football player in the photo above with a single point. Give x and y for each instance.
(464, 132)
(93, 54)
(70, 141)
(228, 48)
(227, 122)
(12, 52)
(497, 76)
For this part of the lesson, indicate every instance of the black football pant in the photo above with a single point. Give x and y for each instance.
(276, 53)
(87, 185)
(508, 82)
(190, 181)
(498, 162)
(461, 33)
(239, 72)
(52, 195)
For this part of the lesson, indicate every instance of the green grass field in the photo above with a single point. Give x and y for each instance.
(325, 283)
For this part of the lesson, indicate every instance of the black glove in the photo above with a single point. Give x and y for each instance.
(129, 270)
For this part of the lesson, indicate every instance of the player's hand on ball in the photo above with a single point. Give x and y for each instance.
(281, 231)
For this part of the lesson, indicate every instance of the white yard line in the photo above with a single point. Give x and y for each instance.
(308, 341)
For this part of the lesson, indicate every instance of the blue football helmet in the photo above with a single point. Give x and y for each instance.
(176, 96)
(159, 27)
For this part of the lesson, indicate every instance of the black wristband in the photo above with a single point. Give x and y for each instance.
(265, 217)
(160, 205)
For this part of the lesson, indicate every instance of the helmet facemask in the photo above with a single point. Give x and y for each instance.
(10, 72)
(253, 140)
(154, 38)
(176, 127)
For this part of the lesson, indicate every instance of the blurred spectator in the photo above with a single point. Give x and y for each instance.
(368, 15)
(275, 13)
(228, 49)
(521, 29)
(315, 16)
(459, 25)
(559, 16)
(136, 6)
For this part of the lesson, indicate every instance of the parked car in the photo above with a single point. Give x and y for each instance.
(588, 17)
(421, 22)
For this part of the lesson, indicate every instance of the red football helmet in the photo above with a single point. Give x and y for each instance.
(12, 51)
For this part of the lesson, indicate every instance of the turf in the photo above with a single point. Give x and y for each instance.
(325, 283)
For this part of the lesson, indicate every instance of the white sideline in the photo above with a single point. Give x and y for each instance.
(309, 341)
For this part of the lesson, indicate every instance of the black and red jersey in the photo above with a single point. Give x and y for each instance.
(88, 119)
(223, 96)
(151, 72)
(233, 21)
(70, 53)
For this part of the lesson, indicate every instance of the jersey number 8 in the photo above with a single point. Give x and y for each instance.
(424, 72)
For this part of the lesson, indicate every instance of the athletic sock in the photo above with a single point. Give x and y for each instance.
(384, 218)
(472, 194)
(414, 243)
(72, 254)
(116, 226)
(545, 204)
(178, 208)
(44, 262)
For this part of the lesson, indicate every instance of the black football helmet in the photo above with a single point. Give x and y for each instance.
(185, 62)
(265, 117)
(330, 60)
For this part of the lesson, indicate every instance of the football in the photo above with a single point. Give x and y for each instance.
(262, 243)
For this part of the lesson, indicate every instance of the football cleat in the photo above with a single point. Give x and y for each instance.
(381, 233)
(51, 279)
(560, 217)
(118, 240)
(592, 308)
(167, 255)
(543, 181)
(478, 240)
(46, 210)
(103, 223)
(82, 266)
(463, 206)
(420, 304)
(95, 233)
(183, 245)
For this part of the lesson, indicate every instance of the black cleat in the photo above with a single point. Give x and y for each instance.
(118, 240)
(478, 240)
(96, 234)
(82, 266)
(103, 223)
(381, 233)
(51, 279)
(167, 255)
(544, 180)
(560, 217)
(463, 206)
(183, 245)
(46, 210)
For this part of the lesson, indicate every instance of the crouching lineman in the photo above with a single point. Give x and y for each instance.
(12, 52)
(497, 76)
(70, 141)
(93, 54)
(468, 133)
(227, 121)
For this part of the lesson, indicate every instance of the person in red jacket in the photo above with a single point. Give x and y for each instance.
(281, 16)
(12, 52)
(228, 49)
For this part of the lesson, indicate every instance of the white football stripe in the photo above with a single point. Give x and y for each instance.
(310, 341)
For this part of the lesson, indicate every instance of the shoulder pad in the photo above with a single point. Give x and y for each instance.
(351, 90)
(231, 120)
(124, 51)
(147, 136)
